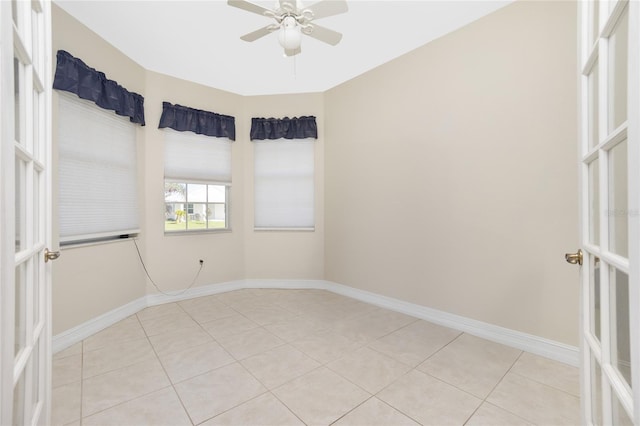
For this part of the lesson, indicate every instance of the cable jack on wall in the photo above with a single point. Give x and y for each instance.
(176, 293)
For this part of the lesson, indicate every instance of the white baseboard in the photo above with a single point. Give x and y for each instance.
(76, 334)
(526, 342)
(287, 284)
(80, 332)
(517, 339)
(205, 290)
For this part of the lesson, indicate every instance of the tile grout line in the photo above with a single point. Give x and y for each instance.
(545, 384)
(415, 368)
(270, 391)
(485, 399)
(326, 305)
(81, 382)
(239, 362)
(350, 411)
(145, 394)
(171, 384)
(236, 361)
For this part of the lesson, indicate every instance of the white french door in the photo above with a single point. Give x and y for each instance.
(610, 210)
(25, 326)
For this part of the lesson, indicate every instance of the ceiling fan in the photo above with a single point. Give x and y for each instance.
(292, 20)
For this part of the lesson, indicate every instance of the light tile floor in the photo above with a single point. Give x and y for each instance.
(296, 357)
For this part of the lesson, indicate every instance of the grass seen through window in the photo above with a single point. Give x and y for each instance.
(171, 225)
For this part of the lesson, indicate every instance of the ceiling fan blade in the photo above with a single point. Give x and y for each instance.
(325, 8)
(254, 35)
(292, 52)
(324, 34)
(289, 5)
(245, 5)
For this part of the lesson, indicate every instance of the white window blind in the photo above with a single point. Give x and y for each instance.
(98, 190)
(192, 157)
(284, 184)
(197, 171)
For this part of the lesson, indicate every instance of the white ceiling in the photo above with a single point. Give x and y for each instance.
(200, 40)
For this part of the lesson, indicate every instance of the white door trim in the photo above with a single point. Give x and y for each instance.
(25, 305)
(7, 219)
(634, 195)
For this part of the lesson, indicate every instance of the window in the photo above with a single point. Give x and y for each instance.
(284, 184)
(194, 206)
(98, 189)
(197, 182)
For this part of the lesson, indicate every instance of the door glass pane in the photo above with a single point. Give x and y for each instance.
(20, 308)
(35, 377)
(36, 292)
(594, 290)
(36, 150)
(596, 392)
(17, 82)
(595, 9)
(38, 206)
(18, 401)
(620, 416)
(620, 334)
(594, 202)
(14, 11)
(21, 210)
(35, 37)
(618, 73)
(593, 107)
(618, 217)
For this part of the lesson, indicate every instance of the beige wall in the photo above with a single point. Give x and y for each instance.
(451, 173)
(445, 178)
(172, 260)
(90, 281)
(290, 254)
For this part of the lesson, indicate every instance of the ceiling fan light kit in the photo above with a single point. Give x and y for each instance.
(290, 36)
(292, 20)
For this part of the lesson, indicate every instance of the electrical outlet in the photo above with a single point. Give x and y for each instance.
(201, 262)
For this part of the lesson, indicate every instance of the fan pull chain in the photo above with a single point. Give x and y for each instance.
(295, 67)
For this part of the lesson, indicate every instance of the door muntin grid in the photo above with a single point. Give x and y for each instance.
(606, 314)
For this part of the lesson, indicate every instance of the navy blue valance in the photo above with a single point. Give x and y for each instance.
(181, 118)
(287, 128)
(73, 75)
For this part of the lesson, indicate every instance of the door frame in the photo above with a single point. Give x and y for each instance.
(30, 41)
(7, 215)
(633, 132)
(594, 49)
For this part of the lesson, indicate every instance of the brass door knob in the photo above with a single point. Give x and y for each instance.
(574, 258)
(50, 255)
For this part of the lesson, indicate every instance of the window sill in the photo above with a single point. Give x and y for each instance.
(198, 232)
(71, 246)
(311, 229)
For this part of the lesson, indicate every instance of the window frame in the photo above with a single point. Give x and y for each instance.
(190, 204)
(287, 228)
